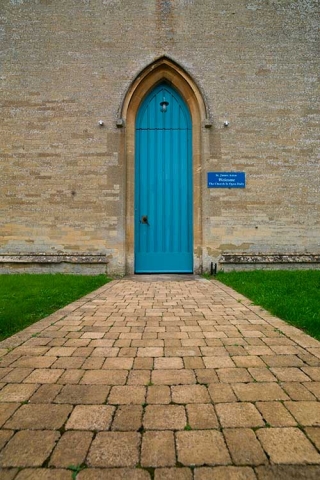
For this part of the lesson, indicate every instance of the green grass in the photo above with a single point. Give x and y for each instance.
(293, 296)
(24, 299)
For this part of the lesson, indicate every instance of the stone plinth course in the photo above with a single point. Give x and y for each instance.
(174, 379)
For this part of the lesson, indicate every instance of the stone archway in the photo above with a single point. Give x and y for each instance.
(160, 70)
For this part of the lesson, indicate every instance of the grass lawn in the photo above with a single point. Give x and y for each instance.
(24, 299)
(293, 296)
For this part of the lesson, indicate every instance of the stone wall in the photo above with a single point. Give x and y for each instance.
(66, 64)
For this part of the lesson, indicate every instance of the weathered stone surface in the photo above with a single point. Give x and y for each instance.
(287, 445)
(90, 417)
(202, 448)
(164, 417)
(28, 448)
(114, 449)
(71, 449)
(158, 449)
(39, 417)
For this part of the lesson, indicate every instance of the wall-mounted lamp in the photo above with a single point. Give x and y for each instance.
(226, 123)
(164, 105)
(101, 123)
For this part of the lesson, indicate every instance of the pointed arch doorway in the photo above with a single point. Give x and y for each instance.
(163, 184)
(163, 70)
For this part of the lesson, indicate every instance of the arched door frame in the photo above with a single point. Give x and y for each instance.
(164, 69)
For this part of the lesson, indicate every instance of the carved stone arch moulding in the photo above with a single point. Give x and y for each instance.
(163, 69)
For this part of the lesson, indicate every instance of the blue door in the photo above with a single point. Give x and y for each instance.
(163, 184)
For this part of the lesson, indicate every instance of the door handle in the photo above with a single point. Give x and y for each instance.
(144, 219)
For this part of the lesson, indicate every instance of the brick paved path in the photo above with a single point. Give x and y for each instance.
(171, 380)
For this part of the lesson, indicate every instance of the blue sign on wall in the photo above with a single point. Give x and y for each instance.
(226, 180)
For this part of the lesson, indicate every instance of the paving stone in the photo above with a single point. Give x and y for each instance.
(150, 352)
(34, 362)
(105, 352)
(164, 363)
(314, 388)
(206, 375)
(39, 417)
(289, 374)
(262, 374)
(82, 352)
(5, 436)
(282, 360)
(25, 350)
(276, 414)
(128, 418)
(234, 375)
(306, 413)
(68, 362)
(244, 446)
(239, 415)
(164, 417)
(193, 362)
(218, 362)
(290, 472)
(221, 393)
(104, 377)
(59, 342)
(297, 391)
(158, 449)
(90, 417)
(143, 363)
(173, 474)
(44, 375)
(158, 394)
(86, 394)
(214, 351)
(44, 474)
(6, 410)
(118, 363)
(287, 445)
(8, 474)
(201, 416)
(92, 363)
(173, 377)
(114, 449)
(285, 350)
(314, 434)
(45, 393)
(113, 474)
(28, 448)
(127, 352)
(77, 342)
(71, 449)
(248, 361)
(202, 447)
(312, 372)
(190, 394)
(139, 377)
(60, 351)
(15, 392)
(126, 395)
(16, 375)
(309, 359)
(92, 335)
(72, 376)
(224, 473)
(253, 392)
(182, 351)
(6, 371)
(258, 350)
